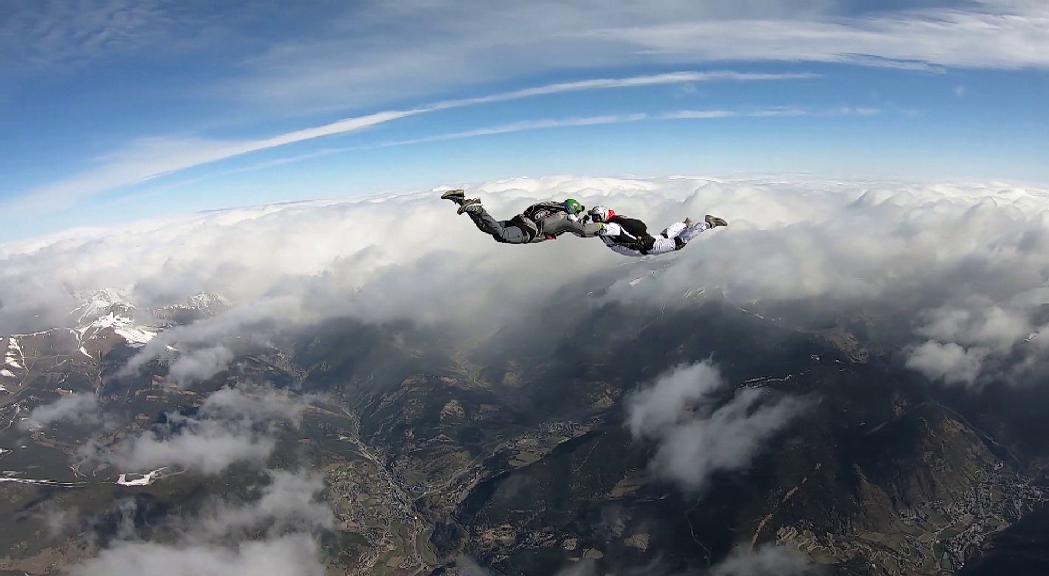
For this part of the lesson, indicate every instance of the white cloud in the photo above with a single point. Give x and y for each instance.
(232, 426)
(765, 560)
(977, 323)
(273, 534)
(292, 555)
(696, 436)
(200, 351)
(72, 408)
(206, 446)
(253, 404)
(949, 362)
(199, 364)
(963, 335)
(659, 407)
(288, 503)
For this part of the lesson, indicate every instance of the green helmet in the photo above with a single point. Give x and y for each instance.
(573, 206)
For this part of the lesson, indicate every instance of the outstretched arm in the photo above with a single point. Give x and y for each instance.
(560, 224)
(588, 229)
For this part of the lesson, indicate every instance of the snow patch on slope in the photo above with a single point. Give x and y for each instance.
(139, 479)
(13, 357)
(122, 325)
(41, 481)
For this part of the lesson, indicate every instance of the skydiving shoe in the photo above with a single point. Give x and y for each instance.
(714, 221)
(468, 205)
(456, 196)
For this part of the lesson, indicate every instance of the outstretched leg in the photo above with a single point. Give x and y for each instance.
(674, 230)
(693, 230)
(677, 235)
(688, 234)
(502, 231)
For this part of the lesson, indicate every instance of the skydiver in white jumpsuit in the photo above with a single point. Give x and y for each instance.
(630, 237)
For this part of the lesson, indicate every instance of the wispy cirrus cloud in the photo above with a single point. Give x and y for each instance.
(990, 34)
(366, 54)
(552, 123)
(441, 46)
(556, 123)
(687, 77)
(152, 158)
(49, 31)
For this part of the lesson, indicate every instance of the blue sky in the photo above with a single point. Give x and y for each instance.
(115, 110)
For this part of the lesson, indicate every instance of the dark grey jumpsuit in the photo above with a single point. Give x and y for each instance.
(539, 222)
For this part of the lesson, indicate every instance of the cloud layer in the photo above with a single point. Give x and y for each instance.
(956, 272)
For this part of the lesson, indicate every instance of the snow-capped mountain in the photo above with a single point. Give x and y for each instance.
(98, 303)
(200, 305)
(207, 301)
(104, 320)
(108, 312)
